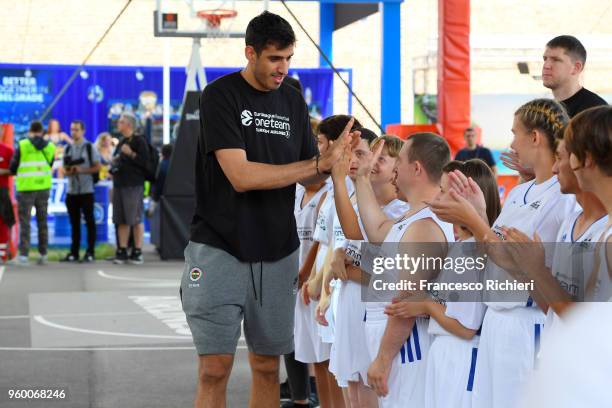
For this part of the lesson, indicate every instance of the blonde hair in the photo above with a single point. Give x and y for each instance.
(393, 144)
(546, 115)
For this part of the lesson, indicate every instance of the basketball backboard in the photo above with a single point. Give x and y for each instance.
(184, 18)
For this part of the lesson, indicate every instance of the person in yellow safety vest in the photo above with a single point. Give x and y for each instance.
(32, 164)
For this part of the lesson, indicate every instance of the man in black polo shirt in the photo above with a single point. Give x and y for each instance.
(564, 60)
(242, 259)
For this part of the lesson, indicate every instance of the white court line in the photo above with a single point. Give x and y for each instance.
(45, 322)
(103, 274)
(101, 348)
(76, 315)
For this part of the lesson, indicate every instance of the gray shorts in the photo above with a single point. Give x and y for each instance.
(218, 292)
(128, 205)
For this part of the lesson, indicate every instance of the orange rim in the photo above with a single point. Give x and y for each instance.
(214, 17)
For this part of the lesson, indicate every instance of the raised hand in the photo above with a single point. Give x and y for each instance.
(454, 210)
(365, 169)
(341, 168)
(511, 161)
(468, 189)
(337, 148)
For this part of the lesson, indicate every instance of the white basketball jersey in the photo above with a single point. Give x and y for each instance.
(531, 209)
(306, 218)
(469, 314)
(574, 257)
(394, 236)
(602, 292)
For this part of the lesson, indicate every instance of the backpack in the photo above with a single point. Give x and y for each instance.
(152, 163)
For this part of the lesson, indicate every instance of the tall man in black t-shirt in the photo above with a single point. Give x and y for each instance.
(564, 60)
(242, 261)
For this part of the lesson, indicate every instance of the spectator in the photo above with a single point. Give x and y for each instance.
(81, 162)
(128, 170)
(32, 163)
(564, 60)
(55, 135)
(158, 187)
(7, 216)
(474, 151)
(60, 140)
(104, 146)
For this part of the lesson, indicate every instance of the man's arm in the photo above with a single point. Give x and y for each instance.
(398, 328)
(245, 175)
(346, 213)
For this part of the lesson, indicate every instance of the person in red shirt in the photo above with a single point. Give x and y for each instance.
(7, 215)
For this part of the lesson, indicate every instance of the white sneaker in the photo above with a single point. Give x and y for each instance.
(20, 261)
(42, 260)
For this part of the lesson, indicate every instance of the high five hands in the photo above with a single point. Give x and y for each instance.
(338, 148)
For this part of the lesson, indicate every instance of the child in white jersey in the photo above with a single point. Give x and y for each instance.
(589, 142)
(399, 346)
(513, 323)
(317, 288)
(574, 256)
(455, 318)
(584, 380)
(349, 359)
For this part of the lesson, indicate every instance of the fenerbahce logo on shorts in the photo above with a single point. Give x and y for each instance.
(195, 275)
(267, 123)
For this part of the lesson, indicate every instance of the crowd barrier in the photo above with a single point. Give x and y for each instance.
(59, 223)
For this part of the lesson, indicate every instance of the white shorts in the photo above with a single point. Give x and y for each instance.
(451, 365)
(327, 333)
(407, 376)
(349, 357)
(507, 353)
(308, 345)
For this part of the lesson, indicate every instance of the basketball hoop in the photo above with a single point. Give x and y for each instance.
(213, 17)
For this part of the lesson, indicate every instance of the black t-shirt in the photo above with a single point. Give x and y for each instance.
(131, 172)
(582, 100)
(272, 127)
(479, 152)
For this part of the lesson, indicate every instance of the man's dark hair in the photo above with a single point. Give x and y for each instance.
(80, 123)
(332, 126)
(269, 29)
(166, 151)
(572, 46)
(36, 127)
(368, 135)
(432, 151)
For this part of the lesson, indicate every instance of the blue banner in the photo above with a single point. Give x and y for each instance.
(100, 93)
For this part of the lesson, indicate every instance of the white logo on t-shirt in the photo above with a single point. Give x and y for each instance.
(247, 117)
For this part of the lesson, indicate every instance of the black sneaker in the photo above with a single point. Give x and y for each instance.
(291, 404)
(285, 390)
(70, 258)
(88, 257)
(121, 257)
(136, 257)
